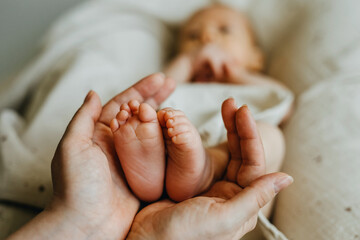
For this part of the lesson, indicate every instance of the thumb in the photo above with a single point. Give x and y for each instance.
(83, 123)
(249, 201)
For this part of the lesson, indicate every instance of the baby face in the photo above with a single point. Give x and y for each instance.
(225, 28)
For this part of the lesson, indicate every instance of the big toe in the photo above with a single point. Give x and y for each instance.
(147, 113)
(119, 120)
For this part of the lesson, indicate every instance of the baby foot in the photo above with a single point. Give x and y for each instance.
(247, 159)
(187, 164)
(140, 147)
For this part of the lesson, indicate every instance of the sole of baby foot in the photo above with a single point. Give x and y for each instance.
(187, 163)
(140, 148)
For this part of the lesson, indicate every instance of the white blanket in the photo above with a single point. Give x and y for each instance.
(201, 103)
(105, 46)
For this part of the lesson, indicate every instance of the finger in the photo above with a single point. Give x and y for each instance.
(252, 151)
(161, 95)
(223, 189)
(230, 72)
(250, 200)
(216, 67)
(154, 89)
(228, 111)
(83, 122)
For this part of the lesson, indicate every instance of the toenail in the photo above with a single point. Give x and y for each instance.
(171, 129)
(170, 121)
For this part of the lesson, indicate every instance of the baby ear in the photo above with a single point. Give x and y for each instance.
(256, 62)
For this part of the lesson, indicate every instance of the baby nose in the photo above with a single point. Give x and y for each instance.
(207, 37)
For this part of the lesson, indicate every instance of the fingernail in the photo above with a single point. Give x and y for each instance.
(162, 74)
(282, 183)
(246, 107)
(88, 96)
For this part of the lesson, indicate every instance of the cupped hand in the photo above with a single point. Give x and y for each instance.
(91, 198)
(225, 212)
(86, 173)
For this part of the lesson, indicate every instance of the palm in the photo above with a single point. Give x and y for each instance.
(93, 184)
(206, 213)
(213, 213)
(96, 187)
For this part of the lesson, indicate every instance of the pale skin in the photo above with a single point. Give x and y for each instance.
(216, 45)
(92, 201)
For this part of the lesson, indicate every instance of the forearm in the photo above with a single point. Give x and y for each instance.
(49, 225)
(179, 69)
(58, 223)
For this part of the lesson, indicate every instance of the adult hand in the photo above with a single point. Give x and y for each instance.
(247, 158)
(91, 198)
(227, 211)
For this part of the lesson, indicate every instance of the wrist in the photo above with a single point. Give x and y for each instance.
(50, 224)
(59, 222)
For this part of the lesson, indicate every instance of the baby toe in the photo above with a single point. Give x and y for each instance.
(160, 116)
(114, 125)
(178, 129)
(125, 107)
(122, 116)
(181, 119)
(147, 113)
(183, 138)
(170, 113)
(134, 106)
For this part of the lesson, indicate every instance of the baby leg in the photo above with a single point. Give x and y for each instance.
(274, 148)
(140, 147)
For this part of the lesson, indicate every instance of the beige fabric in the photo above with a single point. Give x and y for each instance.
(202, 105)
(323, 149)
(324, 41)
(12, 217)
(323, 138)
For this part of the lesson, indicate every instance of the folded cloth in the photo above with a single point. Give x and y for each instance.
(201, 103)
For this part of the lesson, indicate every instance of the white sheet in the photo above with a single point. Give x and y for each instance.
(201, 103)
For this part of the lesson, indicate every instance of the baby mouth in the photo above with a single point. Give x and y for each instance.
(205, 74)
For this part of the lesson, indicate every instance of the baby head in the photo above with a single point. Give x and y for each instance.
(226, 28)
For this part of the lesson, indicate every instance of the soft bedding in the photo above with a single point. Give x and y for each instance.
(106, 46)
